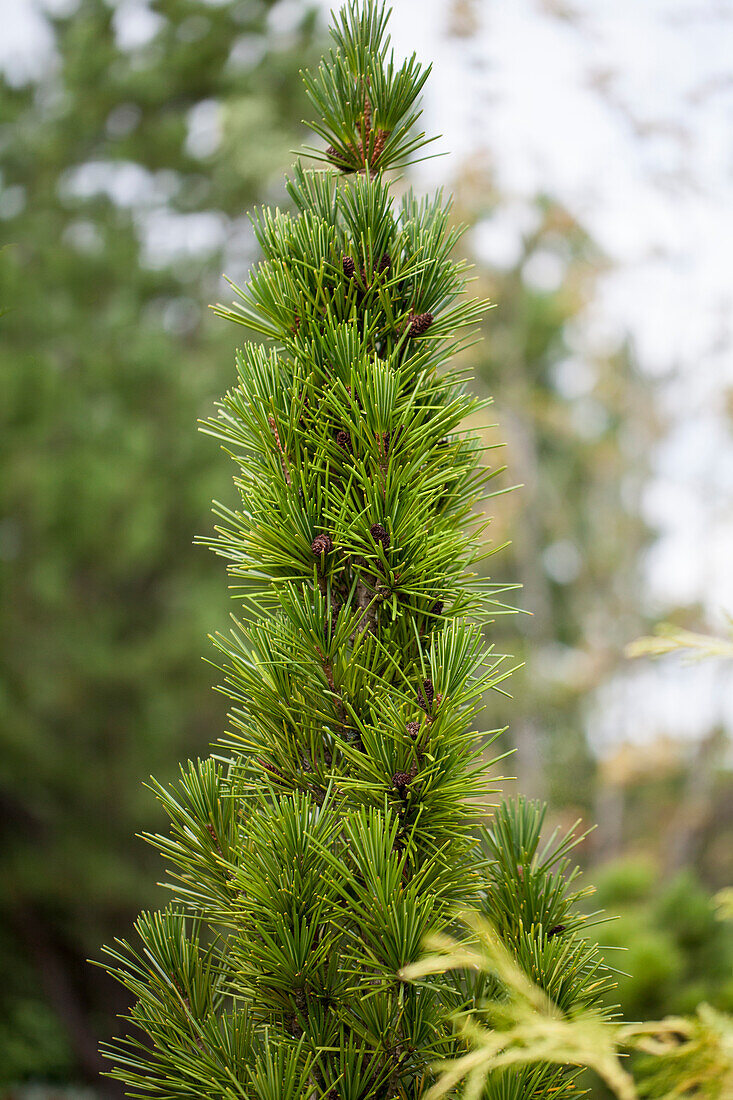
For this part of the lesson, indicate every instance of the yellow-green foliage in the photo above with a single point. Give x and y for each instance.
(678, 1056)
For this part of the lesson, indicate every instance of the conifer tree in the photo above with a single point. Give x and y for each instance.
(338, 825)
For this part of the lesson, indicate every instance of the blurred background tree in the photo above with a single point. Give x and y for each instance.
(126, 169)
(576, 423)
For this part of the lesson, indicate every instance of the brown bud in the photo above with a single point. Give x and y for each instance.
(391, 439)
(437, 608)
(384, 264)
(349, 267)
(426, 700)
(380, 534)
(400, 780)
(555, 931)
(322, 544)
(339, 159)
(379, 143)
(413, 728)
(419, 324)
(367, 114)
(270, 768)
(344, 440)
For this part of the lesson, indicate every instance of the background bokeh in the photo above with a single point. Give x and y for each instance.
(591, 159)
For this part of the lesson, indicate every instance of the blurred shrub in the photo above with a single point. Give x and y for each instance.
(674, 951)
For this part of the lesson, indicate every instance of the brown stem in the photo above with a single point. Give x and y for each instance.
(212, 833)
(394, 1077)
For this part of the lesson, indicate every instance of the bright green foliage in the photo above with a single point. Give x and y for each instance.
(373, 128)
(310, 863)
(534, 908)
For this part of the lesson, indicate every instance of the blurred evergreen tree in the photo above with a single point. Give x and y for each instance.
(125, 172)
(577, 421)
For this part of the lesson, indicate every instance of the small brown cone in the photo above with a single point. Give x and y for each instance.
(380, 534)
(322, 544)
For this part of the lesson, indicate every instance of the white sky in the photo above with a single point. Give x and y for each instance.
(623, 110)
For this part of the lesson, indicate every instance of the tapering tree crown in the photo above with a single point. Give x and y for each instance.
(340, 828)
